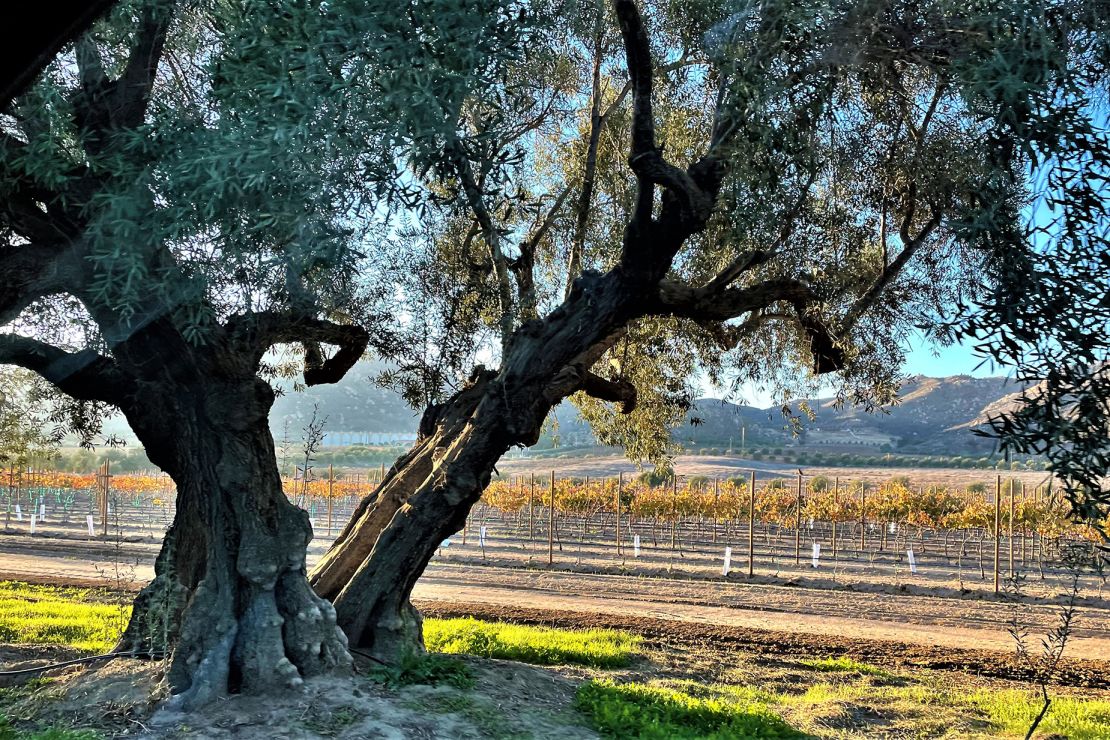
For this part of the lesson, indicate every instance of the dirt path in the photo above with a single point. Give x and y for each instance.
(723, 644)
(954, 623)
(920, 620)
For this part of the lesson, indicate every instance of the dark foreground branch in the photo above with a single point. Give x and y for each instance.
(257, 332)
(84, 375)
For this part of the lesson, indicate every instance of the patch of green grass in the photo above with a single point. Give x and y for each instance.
(844, 665)
(1013, 712)
(59, 616)
(7, 732)
(538, 645)
(424, 669)
(687, 711)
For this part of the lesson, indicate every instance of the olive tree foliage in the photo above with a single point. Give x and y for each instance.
(189, 186)
(24, 434)
(772, 190)
(884, 161)
(1042, 310)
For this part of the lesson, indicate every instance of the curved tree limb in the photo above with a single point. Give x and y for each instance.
(576, 377)
(638, 54)
(257, 332)
(705, 307)
(46, 28)
(616, 391)
(31, 271)
(84, 375)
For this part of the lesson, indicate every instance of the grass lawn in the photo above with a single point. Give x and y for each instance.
(86, 619)
(536, 645)
(627, 690)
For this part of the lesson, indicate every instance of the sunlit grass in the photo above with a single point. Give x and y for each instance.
(843, 698)
(658, 711)
(49, 615)
(539, 645)
(843, 665)
(7, 732)
(1013, 711)
(925, 706)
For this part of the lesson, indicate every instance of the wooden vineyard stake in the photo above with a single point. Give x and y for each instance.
(798, 524)
(104, 479)
(716, 495)
(11, 497)
(1024, 531)
(1011, 528)
(531, 506)
(751, 527)
(997, 528)
(862, 517)
(836, 512)
(620, 487)
(331, 496)
(674, 508)
(551, 523)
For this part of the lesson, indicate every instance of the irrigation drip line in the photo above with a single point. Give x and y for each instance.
(78, 661)
(368, 656)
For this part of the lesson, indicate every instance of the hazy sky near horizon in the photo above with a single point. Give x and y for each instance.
(921, 359)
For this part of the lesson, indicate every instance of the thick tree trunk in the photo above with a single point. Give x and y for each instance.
(370, 571)
(373, 606)
(230, 596)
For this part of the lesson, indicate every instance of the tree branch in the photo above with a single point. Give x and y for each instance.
(45, 29)
(477, 203)
(891, 271)
(110, 105)
(84, 375)
(523, 266)
(638, 55)
(615, 391)
(747, 261)
(257, 332)
(31, 271)
(585, 196)
(702, 306)
(576, 377)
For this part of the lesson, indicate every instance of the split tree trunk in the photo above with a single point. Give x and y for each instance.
(370, 571)
(230, 592)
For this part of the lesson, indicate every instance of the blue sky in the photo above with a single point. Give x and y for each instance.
(921, 359)
(924, 359)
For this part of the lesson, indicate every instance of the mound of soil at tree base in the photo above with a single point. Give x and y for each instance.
(120, 699)
(1072, 672)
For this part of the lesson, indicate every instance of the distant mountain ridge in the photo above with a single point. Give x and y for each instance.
(356, 409)
(933, 415)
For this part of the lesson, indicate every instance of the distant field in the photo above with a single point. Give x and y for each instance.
(723, 466)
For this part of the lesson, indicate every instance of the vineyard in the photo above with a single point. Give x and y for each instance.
(694, 526)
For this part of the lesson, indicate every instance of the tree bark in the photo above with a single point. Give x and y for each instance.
(370, 571)
(230, 594)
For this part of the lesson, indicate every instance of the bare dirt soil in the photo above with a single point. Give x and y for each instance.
(821, 603)
(725, 641)
(121, 699)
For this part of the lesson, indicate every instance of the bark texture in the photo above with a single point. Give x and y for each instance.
(230, 590)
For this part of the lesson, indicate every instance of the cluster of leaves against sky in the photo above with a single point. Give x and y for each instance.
(441, 172)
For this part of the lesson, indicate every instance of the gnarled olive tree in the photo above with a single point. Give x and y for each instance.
(805, 184)
(155, 247)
